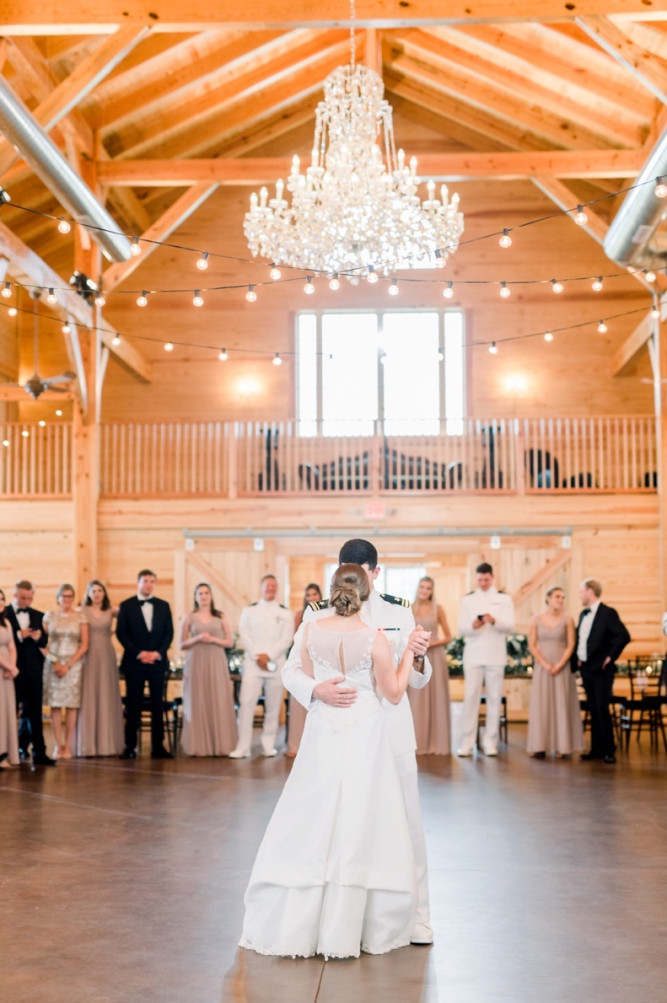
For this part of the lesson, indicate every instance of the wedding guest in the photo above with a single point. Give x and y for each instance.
(297, 713)
(67, 630)
(30, 640)
(9, 745)
(554, 718)
(99, 730)
(145, 630)
(209, 721)
(430, 705)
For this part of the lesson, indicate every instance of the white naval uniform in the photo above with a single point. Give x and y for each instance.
(264, 628)
(398, 622)
(484, 658)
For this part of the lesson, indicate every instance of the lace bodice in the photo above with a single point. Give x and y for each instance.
(347, 653)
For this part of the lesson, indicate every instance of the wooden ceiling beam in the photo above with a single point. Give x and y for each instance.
(441, 166)
(648, 70)
(562, 196)
(82, 17)
(632, 346)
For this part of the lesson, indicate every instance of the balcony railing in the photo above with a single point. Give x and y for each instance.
(253, 459)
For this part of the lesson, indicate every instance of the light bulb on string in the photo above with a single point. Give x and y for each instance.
(277, 361)
(580, 216)
(66, 328)
(441, 355)
(448, 291)
(393, 288)
(334, 282)
(505, 240)
(12, 312)
(143, 299)
(649, 275)
(100, 299)
(439, 260)
(251, 295)
(493, 348)
(372, 276)
(64, 226)
(59, 412)
(223, 355)
(169, 346)
(115, 341)
(135, 247)
(197, 299)
(556, 286)
(202, 262)
(6, 291)
(548, 336)
(309, 288)
(597, 285)
(275, 273)
(660, 188)
(655, 312)
(51, 297)
(505, 290)
(41, 423)
(602, 327)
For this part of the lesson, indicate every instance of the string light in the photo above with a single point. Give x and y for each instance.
(580, 216)
(277, 361)
(597, 285)
(441, 355)
(100, 299)
(116, 340)
(660, 188)
(202, 262)
(505, 241)
(5, 442)
(309, 288)
(4, 195)
(64, 226)
(223, 355)
(59, 412)
(439, 260)
(12, 312)
(135, 247)
(493, 348)
(251, 295)
(41, 423)
(197, 299)
(334, 282)
(649, 275)
(275, 273)
(372, 276)
(143, 299)
(393, 288)
(655, 312)
(448, 291)
(6, 291)
(556, 286)
(548, 336)
(169, 346)
(602, 327)
(25, 433)
(51, 297)
(505, 290)
(66, 329)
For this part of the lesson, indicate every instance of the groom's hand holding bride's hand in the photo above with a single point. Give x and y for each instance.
(419, 641)
(334, 694)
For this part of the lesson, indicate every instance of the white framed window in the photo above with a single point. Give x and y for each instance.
(405, 369)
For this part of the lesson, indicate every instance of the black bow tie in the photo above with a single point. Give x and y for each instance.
(584, 613)
(142, 602)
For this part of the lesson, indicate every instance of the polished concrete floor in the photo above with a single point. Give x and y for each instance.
(124, 882)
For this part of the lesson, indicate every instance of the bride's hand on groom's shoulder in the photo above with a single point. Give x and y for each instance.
(333, 693)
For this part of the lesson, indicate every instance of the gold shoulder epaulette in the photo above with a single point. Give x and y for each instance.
(395, 600)
(320, 604)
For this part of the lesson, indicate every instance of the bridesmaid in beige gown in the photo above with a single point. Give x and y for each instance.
(297, 712)
(209, 721)
(9, 742)
(430, 705)
(99, 730)
(554, 718)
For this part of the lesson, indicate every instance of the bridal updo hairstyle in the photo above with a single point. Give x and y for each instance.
(349, 589)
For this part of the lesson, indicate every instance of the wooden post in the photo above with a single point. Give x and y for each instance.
(659, 361)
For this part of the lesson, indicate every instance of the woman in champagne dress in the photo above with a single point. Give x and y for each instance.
(9, 743)
(67, 628)
(430, 705)
(209, 721)
(99, 730)
(297, 713)
(554, 719)
(335, 873)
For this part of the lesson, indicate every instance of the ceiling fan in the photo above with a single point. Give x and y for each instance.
(36, 385)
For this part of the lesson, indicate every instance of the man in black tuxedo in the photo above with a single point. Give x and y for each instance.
(145, 630)
(30, 640)
(601, 637)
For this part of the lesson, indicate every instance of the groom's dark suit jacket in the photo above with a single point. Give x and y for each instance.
(134, 635)
(607, 638)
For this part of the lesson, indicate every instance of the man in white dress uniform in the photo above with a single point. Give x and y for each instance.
(265, 634)
(485, 619)
(394, 617)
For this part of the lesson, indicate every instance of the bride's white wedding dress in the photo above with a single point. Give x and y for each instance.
(335, 872)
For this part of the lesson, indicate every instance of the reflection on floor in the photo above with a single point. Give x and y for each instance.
(124, 882)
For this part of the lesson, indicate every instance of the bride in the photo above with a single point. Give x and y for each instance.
(335, 873)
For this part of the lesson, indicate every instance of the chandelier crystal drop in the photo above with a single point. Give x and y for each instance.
(357, 206)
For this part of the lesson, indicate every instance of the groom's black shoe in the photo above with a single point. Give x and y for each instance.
(43, 760)
(161, 753)
(128, 754)
(587, 757)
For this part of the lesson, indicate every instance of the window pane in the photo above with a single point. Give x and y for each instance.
(349, 373)
(454, 373)
(411, 373)
(403, 582)
(306, 373)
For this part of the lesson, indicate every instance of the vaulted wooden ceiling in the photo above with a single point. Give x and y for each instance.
(157, 107)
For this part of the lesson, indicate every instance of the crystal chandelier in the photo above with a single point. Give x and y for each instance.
(357, 209)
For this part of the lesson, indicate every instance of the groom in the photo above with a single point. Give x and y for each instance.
(394, 617)
(145, 630)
